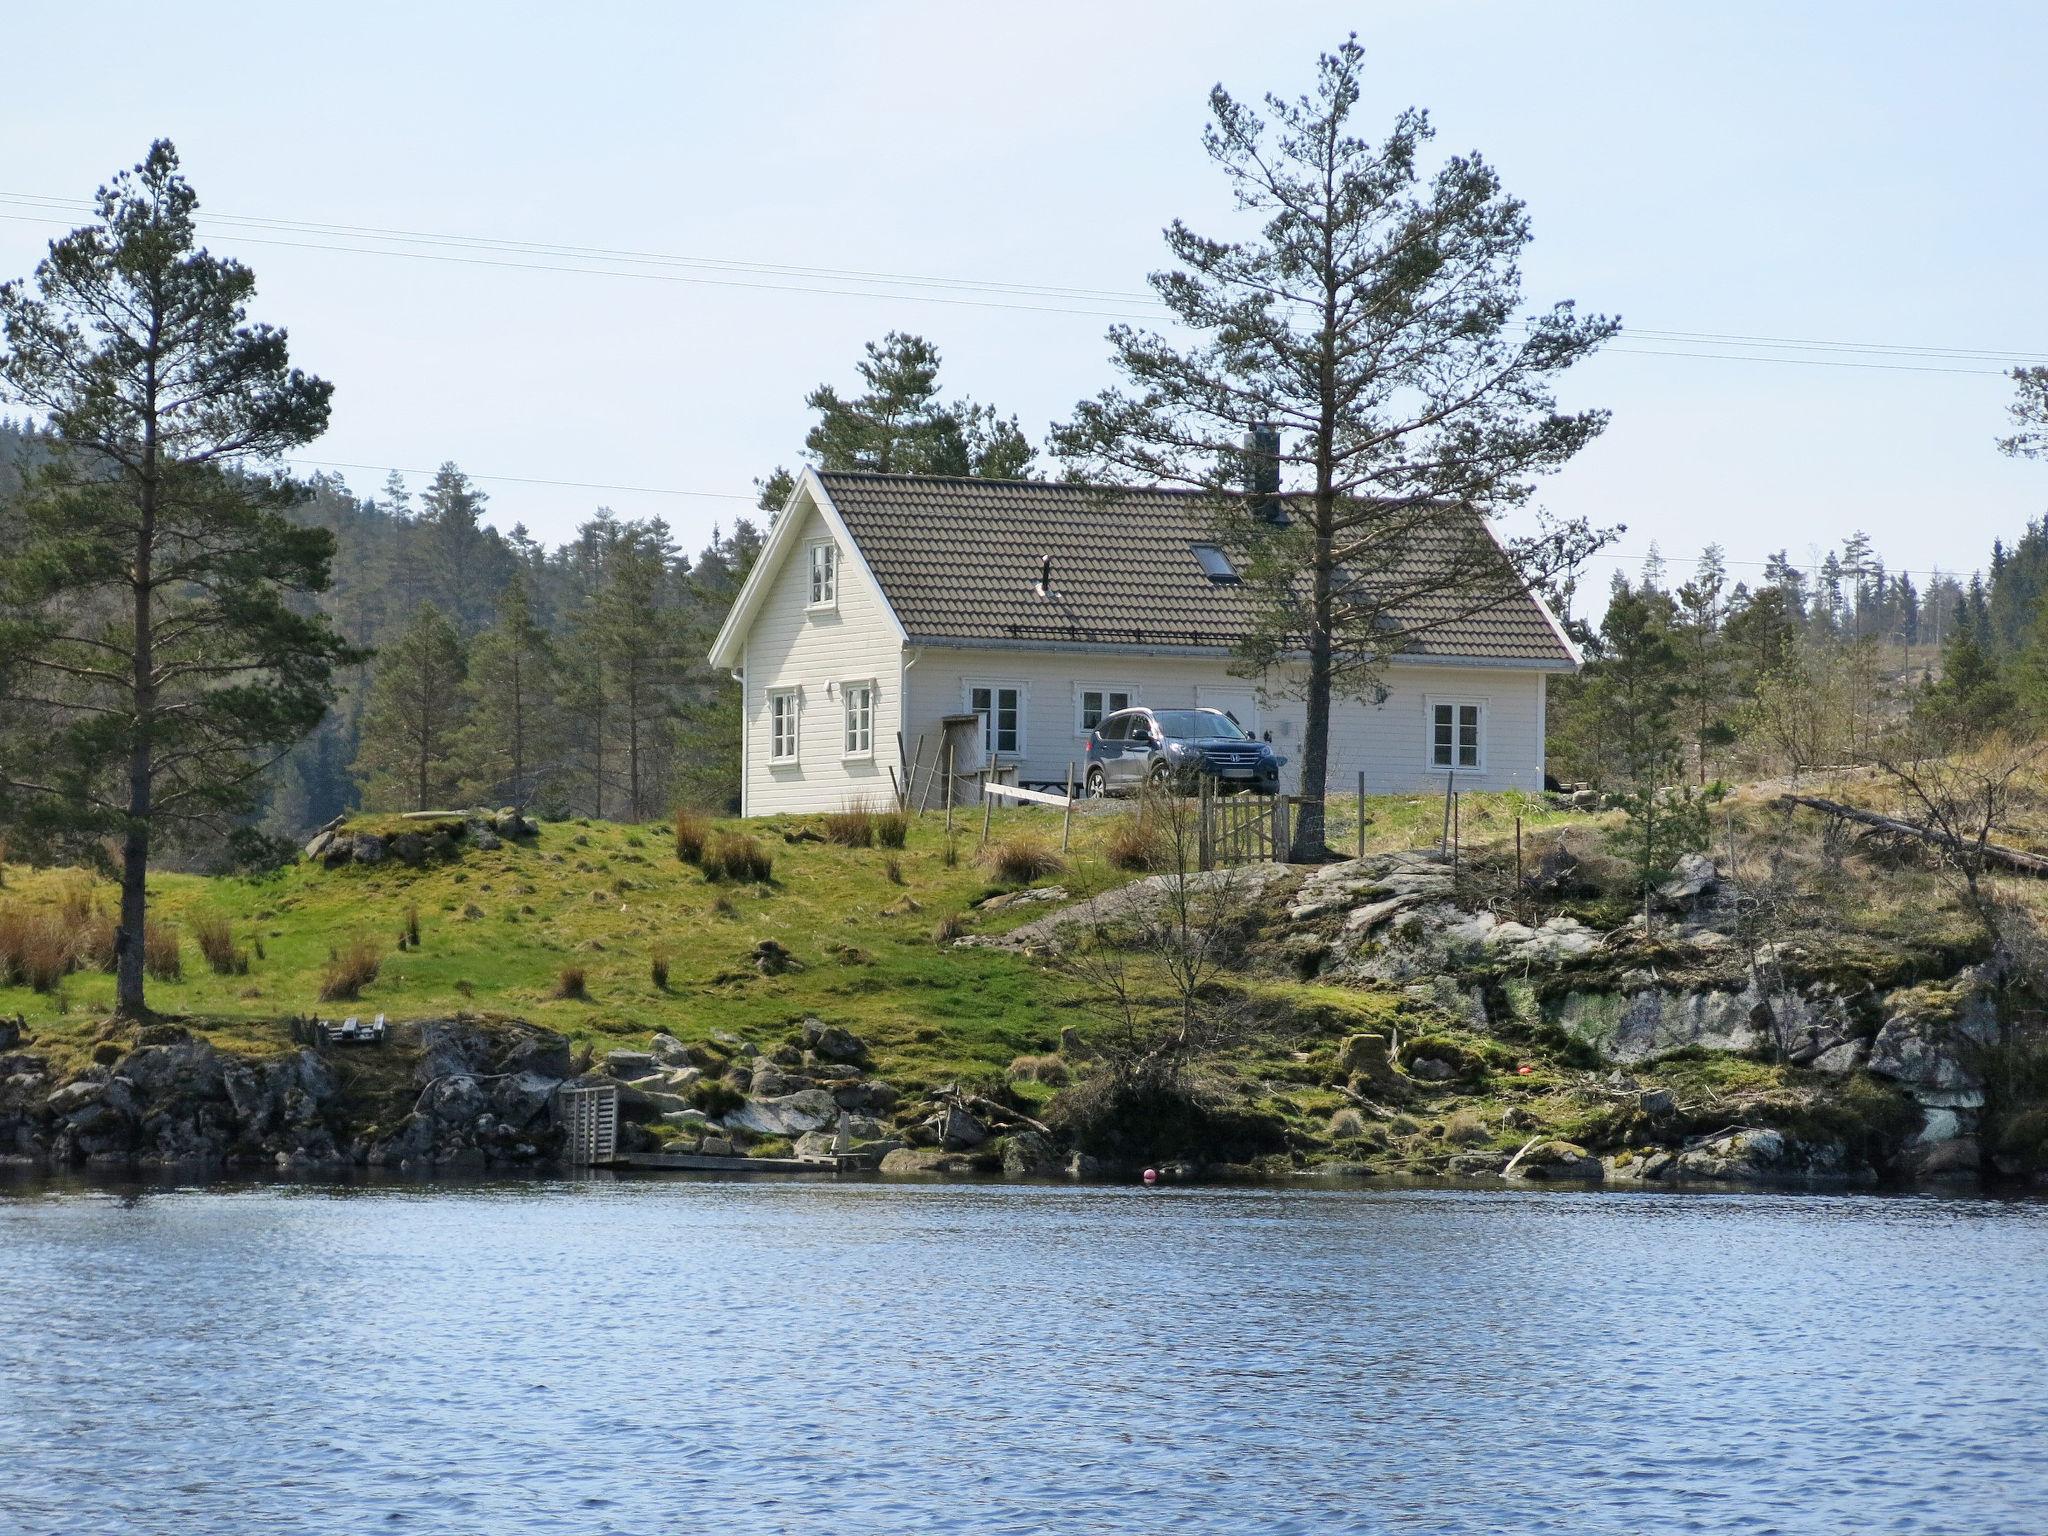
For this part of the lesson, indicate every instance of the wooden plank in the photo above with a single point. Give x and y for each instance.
(1035, 796)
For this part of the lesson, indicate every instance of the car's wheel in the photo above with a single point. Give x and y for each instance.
(1097, 783)
(1161, 777)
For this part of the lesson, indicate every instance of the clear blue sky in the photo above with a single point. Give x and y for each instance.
(1860, 172)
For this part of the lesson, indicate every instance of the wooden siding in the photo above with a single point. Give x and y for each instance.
(1389, 742)
(818, 653)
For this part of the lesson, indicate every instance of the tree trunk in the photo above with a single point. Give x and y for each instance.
(1315, 737)
(129, 971)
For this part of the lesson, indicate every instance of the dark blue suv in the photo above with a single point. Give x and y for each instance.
(1135, 748)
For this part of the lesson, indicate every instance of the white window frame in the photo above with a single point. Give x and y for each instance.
(1081, 727)
(821, 584)
(988, 735)
(794, 698)
(1453, 702)
(849, 752)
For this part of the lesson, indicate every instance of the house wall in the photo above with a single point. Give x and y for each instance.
(1388, 741)
(817, 653)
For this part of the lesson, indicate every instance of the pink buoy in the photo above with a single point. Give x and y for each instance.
(1151, 1175)
(1525, 1070)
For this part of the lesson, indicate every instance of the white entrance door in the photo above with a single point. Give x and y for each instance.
(1241, 704)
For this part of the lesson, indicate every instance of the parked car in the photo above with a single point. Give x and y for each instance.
(1134, 748)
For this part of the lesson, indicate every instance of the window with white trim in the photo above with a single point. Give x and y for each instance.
(860, 719)
(1001, 707)
(824, 575)
(1093, 702)
(785, 706)
(1457, 734)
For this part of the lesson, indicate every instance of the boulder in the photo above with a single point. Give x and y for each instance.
(1557, 1160)
(956, 1130)
(829, 1042)
(715, 1146)
(1928, 1056)
(1693, 877)
(1028, 1155)
(789, 1115)
(628, 1065)
(925, 1160)
(368, 848)
(668, 1051)
(873, 1097)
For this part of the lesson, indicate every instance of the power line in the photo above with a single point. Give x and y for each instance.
(955, 290)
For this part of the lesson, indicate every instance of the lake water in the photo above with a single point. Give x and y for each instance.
(673, 1356)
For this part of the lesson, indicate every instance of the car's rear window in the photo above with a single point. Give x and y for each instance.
(1197, 725)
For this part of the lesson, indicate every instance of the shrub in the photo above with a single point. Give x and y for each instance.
(852, 827)
(949, 928)
(1466, 1128)
(1050, 1070)
(349, 970)
(892, 871)
(715, 1096)
(1022, 858)
(216, 941)
(951, 857)
(34, 951)
(1133, 843)
(92, 943)
(693, 832)
(657, 967)
(891, 828)
(733, 856)
(1347, 1125)
(160, 955)
(571, 984)
(412, 926)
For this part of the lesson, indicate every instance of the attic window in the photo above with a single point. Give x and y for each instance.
(1215, 564)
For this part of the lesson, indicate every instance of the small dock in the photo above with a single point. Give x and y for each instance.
(697, 1162)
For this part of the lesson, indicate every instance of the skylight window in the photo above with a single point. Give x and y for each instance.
(1215, 564)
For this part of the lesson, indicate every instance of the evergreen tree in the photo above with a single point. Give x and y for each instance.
(512, 741)
(412, 726)
(1704, 684)
(1369, 341)
(156, 646)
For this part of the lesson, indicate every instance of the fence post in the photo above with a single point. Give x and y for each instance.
(1067, 817)
(988, 801)
(949, 790)
(1455, 808)
(1361, 813)
(902, 789)
(1518, 864)
(1279, 829)
(1443, 843)
(1205, 837)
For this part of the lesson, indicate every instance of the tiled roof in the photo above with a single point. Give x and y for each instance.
(959, 559)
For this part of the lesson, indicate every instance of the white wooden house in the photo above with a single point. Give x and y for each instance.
(882, 605)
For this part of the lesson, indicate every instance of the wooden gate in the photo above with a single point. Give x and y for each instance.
(1243, 828)
(589, 1118)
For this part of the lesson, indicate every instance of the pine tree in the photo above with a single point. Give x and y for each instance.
(512, 740)
(156, 647)
(407, 756)
(1704, 686)
(1369, 341)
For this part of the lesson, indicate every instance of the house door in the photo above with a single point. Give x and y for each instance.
(1241, 704)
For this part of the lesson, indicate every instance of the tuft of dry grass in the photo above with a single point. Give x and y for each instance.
(892, 828)
(951, 856)
(1133, 842)
(571, 984)
(657, 968)
(892, 871)
(412, 926)
(216, 941)
(851, 827)
(1347, 1125)
(1465, 1128)
(693, 835)
(949, 928)
(1023, 857)
(734, 856)
(350, 969)
(161, 956)
(1050, 1070)
(34, 949)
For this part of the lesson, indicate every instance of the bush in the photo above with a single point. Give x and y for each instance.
(160, 956)
(1133, 843)
(412, 926)
(951, 856)
(1050, 1070)
(892, 828)
(571, 985)
(1023, 858)
(1139, 1123)
(349, 970)
(693, 834)
(216, 941)
(853, 827)
(657, 967)
(716, 1097)
(733, 856)
(34, 951)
